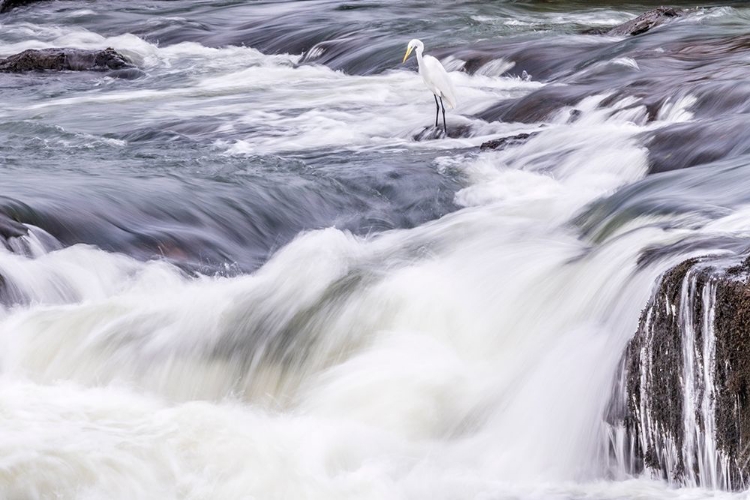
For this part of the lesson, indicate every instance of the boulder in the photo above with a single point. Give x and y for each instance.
(683, 397)
(65, 59)
(504, 142)
(646, 21)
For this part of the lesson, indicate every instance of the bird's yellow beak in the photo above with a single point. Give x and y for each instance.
(406, 56)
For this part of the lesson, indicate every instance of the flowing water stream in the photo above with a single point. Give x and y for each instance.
(254, 271)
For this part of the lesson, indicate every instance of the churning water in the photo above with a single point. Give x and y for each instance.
(252, 272)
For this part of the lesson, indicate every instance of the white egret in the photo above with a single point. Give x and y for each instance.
(435, 77)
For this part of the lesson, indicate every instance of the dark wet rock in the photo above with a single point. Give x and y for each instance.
(504, 142)
(733, 373)
(65, 59)
(8, 5)
(646, 21)
(433, 133)
(693, 338)
(658, 330)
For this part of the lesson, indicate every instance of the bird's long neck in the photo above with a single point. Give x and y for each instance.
(419, 55)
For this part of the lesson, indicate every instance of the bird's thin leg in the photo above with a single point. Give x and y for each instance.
(445, 127)
(437, 111)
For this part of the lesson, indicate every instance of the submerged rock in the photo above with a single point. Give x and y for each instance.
(504, 142)
(646, 21)
(683, 401)
(7, 5)
(65, 59)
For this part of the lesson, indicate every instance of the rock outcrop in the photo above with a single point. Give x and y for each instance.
(504, 142)
(65, 59)
(646, 21)
(682, 406)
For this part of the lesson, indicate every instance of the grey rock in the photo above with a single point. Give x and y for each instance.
(433, 133)
(646, 21)
(65, 59)
(693, 336)
(504, 142)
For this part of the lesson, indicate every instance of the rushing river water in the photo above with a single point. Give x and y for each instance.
(254, 271)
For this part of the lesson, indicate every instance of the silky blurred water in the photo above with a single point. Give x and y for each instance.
(255, 270)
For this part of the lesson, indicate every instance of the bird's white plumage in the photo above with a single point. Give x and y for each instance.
(433, 73)
(437, 79)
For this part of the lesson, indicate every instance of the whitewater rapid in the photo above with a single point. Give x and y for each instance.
(471, 355)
